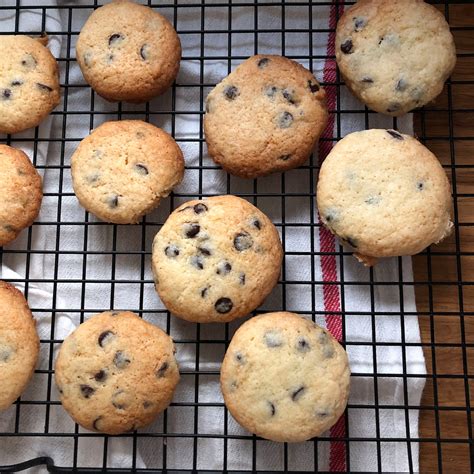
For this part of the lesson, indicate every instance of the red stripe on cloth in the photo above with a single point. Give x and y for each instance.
(332, 301)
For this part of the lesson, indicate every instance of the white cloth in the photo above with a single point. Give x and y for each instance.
(60, 256)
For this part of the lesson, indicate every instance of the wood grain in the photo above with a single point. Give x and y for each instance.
(445, 325)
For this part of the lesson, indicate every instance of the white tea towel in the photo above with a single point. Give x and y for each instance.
(59, 266)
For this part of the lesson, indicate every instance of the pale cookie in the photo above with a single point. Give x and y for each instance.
(123, 169)
(20, 193)
(264, 117)
(29, 83)
(19, 344)
(216, 260)
(128, 51)
(394, 55)
(116, 372)
(384, 194)
(284, 378)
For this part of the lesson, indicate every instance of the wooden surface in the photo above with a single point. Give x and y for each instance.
(449, 327)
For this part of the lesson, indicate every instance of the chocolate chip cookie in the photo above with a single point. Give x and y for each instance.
(264, 117)
(284, 378)
(216, 260)
(128, 52)
(20, 193)
(19, 344)
(29, 83)
(394, 56)
(384, 194)
(116, 372)
(123, 169)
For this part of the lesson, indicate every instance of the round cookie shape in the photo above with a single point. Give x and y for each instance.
(128, 52)
(19, 344)
(29, 83)
(216, 260)
(123, 169)
(20, 193)
(384, 194)
(394, 56)
(264, 117)
(116, 372)
(284, 378)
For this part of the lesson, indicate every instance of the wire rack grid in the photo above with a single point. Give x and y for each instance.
(442, 279)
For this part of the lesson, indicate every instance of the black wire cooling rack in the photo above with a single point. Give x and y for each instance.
(443, 282)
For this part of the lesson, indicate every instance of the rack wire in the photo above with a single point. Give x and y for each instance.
(443, 280)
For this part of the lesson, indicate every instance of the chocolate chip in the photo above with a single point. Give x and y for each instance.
(141, 169)
(105, 337)
(239, 358)
(257, 224)
(373, 200)
(147, 404)
(327, 348)
(44, 87)
(115, 39)
(401, 85)
(204, 251)
(16, 82)
(395, 134)
(272, 408)
(223, 305)
(204, 292)
(273, 339)
(115, 313)
(197, 262)
(113, 201)
(296, 394)
(86, 390)
(9, 228)
(6, 94)
(285, 157)
(100, 376)
(263, 63)
(145, 52)
(322, 413)
(243, 241)
(171, 251)
(420, 186)
(200, 208)
(118, 400)
(242, 279)
(110, 58)
(92, 178)
(367, 80)
(231, 92)
(29, 61)
(359, 23)
(303, 345)
(121, 360)
(191, 230)
(160, 373)
(224, 268)
(346, 47)
(313, 87)
(288, 95)
(95, 425)
(285, 119)
(5, 354)
(393, 107)
(270, 91)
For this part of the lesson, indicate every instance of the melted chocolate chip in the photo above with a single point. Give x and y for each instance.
(303, 345)
(271, 91)
(105, 337)
(100, 376)
(118, 400)
(113, 201)
(115, 39)
(420, 186)
(224, 268)
(243, 241)
(285, 157)
(95, 425)
(395, 134)
(322, 413)
(16, 83)
(141, 169)
(272, 408)
(121, 360)
(367, 80)
(191, 230)
(223, 305)
(401, 85)
(44, 87)
(200, 208)
(145, 52)
(373, 200)
(204, 292)
(257, 224)
(6, 94)
(171, 251)
(346, 47)
(313, 87)
(285, 119)
(92, 178)
(263, 62)
(289, 96)
(86, 390)
(240, 358)
(359, 23)
(197, 262)
(231, 92)
(147, 404)
(273, 339)
(161, 372)
(29, 61)
(296, 394)
(204, 251)
(115, 313)
(242, 279)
